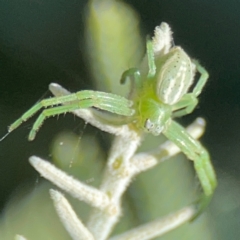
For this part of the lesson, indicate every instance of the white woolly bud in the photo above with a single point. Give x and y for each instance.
(162, 40)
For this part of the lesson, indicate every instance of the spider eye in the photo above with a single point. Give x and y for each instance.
(158, 130)
(148, 124)
(155, 129)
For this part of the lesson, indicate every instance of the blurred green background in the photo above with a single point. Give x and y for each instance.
(45, 41)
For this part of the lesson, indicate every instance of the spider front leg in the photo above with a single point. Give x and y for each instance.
(185, 106)
(200, 157)
(189, 101)
(83, 99)
(133, 74)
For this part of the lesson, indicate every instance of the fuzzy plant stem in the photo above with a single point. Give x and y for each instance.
(117, 176)
(108, 209)
(107, 217)
(122, 165)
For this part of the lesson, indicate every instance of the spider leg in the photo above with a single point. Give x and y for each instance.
(202, 80)
(200, 157)
(134, 75)
(83, 99)
(114, 106)
(185, 106)
(189, 101)
(151, 59)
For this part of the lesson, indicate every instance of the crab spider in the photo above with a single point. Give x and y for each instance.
(162, 94)
(157, 96)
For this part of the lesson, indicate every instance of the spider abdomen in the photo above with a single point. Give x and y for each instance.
(174, 77)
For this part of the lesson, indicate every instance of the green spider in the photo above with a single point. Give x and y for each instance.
(157, 96)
